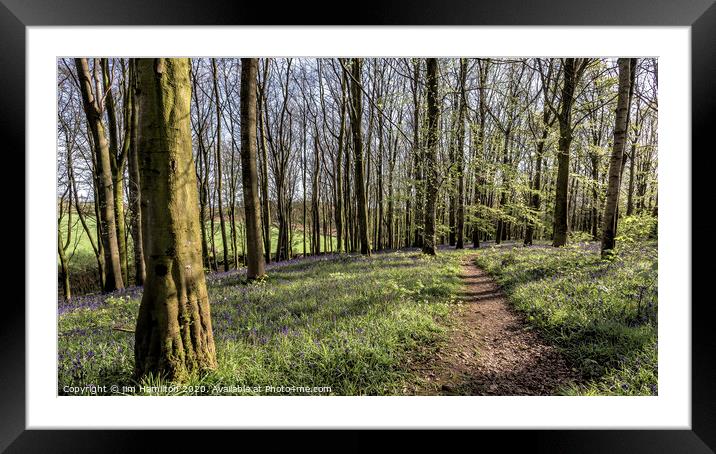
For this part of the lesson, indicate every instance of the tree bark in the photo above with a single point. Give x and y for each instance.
(536, 186)
(339, 177)
(135, 190)
(202, 175)
(254, 255)
(418, 162)
(595, 194)
(630, 193)
(117, 163)
(105, 185)
(615, 163)
(356, 115)
(431, 171)
(480, 145)
(460, 227)
(573, 69)
(265, 210)
(173, 337)
(219, 176)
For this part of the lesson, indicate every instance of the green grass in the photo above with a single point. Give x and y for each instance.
(358, 325)
(80, 251)
(83, 264)
(601, 313)
(350, 323)
(297, 243)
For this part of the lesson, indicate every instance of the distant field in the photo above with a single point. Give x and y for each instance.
(83, 265)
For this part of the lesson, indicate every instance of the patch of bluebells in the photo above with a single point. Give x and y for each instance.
(96, 300)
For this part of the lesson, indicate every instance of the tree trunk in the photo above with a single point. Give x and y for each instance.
(135, 191)
(595, 194)
(480, 145)
(571, 78)
(431, 171)
(173, 337)
(224, 246)
(418, 162)
(630, 194)
(116, 161)
(451, 137)
(535, 199)
(105, 187)
(615, 163)
(265, 211)
(202, 157)
(254, 255)
(460, 227)
(315, 201)
(101, 251)
(64, 269)
(356, 114)
(379, 188)
(338, 173)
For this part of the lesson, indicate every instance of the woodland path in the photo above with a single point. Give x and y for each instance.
(491, 349)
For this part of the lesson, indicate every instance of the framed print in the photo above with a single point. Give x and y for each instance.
(416, 216)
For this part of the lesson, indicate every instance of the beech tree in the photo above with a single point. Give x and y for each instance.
(105, 183)
(173, 337)
(219, 172)
(615, 163)
(573, 71)
(254, 258)
(549, 92)
(135, 191)
(462, 107)
(356, 113)
(431, 175)
(117, 160)
(265, 207)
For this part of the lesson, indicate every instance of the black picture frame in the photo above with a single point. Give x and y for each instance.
(700, 15)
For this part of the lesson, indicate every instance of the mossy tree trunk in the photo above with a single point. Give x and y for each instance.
(573, 70)
(615, 163)
(254, 254)
(356, 116)
(104, 181)
(173, 337)
(431, 171)
(135, 191)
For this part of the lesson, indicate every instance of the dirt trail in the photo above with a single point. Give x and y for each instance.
(492, 350)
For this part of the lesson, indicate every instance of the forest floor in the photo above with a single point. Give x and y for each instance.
(499, 320)
(492, 350)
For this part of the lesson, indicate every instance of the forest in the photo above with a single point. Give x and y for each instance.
(357, 226)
